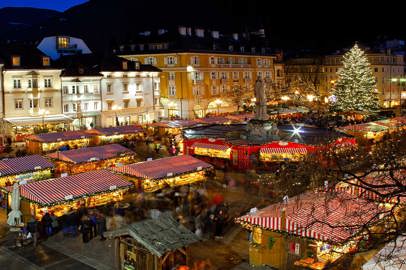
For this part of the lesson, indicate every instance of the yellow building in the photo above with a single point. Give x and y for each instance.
(194, 84)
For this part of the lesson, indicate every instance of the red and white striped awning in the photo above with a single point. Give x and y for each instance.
(271, 223)
(220, 147)
(60, 190)
(283, 150)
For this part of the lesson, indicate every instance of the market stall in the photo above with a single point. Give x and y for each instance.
(170, 171)
(26, 168)
(208, 147)
(58, 195)
(117, 134)
(49, 142)
(91, 158)
(152, 244)
(306, 227)
(174, 127)
(283, 151)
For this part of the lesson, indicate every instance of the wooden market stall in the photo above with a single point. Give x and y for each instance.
(27, 168)
(152, 244)
(49, 142)
(174, 127)
(58, 195)
(283, 151)
(208, 147)
(117, 134)
(91, 158)
(170, 171)
(308, 231)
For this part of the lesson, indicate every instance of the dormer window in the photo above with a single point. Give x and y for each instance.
(200, 33)
(63, 42)
(16, 61)
(182, 30)
(215, 34)
(46, 61)
(125, 65)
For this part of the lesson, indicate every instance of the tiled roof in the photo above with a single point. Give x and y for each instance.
(92, 153)
(60, 190)
(109, 131)
(20, 165)
(164, 167)
(159, 235)
(60, 136)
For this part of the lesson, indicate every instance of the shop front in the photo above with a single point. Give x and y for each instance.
(91, 158)
(151, 176)
(283, 151)
(152, 244)
(50, 142)
(117, 134)
(24, 169)
(60, 195)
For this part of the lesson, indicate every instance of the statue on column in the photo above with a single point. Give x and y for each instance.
(260, 108)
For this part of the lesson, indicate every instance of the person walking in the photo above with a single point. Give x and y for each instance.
(32, 227)
(47, 224)
(85, 227)
(93, 222)
(101, 225)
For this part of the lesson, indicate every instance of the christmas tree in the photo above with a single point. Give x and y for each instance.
(355, 89)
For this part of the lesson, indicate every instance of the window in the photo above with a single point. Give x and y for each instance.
(96, 89)
(221, 60)
(236, 75)
(156, 86)
(125, 103)
(171, 60)
(73, 89)
(33, 103)
(213, 75)
(212, 60)
(172, 90)
(259, 74)
(150, 60)
(138, 88)
(215, 34)
(242, 49)
(85, 107)
(96, 105)
(18, 104)
(47, 83)
(231, 60)
(172, 76)
(29, 84)
(213, 90)
(278, 73)
(35, 83)
(199, 32)
(224, 88)
(267, 74)
(65, 90)
(66, 107)
(46, 61)
(48, 102)
(223, 75)
(195, 60)
(383, 69)
(17, 83)
(109, 89)
(74, 107)
(125, 87)
(139, 102)
(259, 62)
(16, 61)
(63, 42)
(86, 89)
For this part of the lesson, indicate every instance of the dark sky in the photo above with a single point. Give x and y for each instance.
(59, 5)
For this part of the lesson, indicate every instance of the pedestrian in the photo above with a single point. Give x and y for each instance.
(32, 227)
(47, 224)
(93, 222)
(101, 225)
(85, 227)
(54, 223)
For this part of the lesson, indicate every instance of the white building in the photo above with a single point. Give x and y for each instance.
(31, 91)
(130, 93)
(57, 46)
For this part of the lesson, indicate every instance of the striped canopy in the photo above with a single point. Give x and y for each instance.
(284, 148)
(322, 216)
(164, 167)
(220, 147)
(60, 190)
(60, 136)
(82, 155)
(120, 130)
(20, 165)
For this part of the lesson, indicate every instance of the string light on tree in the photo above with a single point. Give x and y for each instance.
(355, 87)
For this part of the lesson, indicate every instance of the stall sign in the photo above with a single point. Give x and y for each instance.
(64, 174)
(37, 168)
(113, 187)
(169, 174)
(69, 197)
(25, 176)
(297, 249)
(199, 168)
(23, 182)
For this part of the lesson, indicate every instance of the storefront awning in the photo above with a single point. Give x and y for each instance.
(219, 147)
(280, 150)
(38, 120)
(65, 189)
(25, 164)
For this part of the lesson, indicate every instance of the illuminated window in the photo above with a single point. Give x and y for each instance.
(212, 60)
(172, 90)
(63, 42)
(46, 61)
(172, 76)
(195, 60)
(47, 83)
(16, 61)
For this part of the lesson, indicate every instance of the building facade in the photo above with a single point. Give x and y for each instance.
(195, 83)
(130, 93)
(31, 92)
(58, 46)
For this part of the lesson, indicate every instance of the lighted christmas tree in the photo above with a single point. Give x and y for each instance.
(355, 89)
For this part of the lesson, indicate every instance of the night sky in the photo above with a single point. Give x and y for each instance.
(59, 5)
